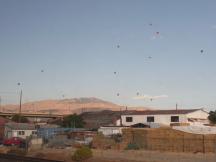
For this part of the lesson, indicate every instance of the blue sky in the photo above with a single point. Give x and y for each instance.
(75, 43)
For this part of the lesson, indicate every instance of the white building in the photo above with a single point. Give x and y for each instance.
(110, 130)
(165, 117)
(21, 130)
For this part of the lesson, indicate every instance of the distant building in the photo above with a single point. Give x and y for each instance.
(22, 130)
(166, 117)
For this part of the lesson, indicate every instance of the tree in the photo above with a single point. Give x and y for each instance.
(18, 118)
(73, 121)
(82, 154)
(212, 117)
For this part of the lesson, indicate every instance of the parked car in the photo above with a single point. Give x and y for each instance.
(14, 141)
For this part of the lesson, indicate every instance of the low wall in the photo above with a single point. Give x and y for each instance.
(167, 139)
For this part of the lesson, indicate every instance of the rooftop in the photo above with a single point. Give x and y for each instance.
(160, 112)
(20, 126)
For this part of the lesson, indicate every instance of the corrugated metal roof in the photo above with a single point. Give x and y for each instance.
(20, 126)
(161, 112)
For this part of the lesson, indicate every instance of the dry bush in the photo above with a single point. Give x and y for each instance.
(82, 154)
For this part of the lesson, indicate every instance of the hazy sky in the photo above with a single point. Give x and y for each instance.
(76, 43)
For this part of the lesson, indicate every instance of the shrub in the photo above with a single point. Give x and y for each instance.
(82, 154)
(73, 121)
(212, 117)
(18, 118)
(132, 146)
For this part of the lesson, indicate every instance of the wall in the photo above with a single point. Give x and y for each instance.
(107, 131)
(167, 139)
(27, 133)
(162, 119)
(118, 122)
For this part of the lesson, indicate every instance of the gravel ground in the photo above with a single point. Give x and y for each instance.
(128, 156)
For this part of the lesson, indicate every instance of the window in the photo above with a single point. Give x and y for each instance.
(21, 132)
(150, 118)
(129, 119)
(34, 132)
(174, 118)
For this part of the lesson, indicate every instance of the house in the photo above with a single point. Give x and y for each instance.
(166, 117)
(22, 130)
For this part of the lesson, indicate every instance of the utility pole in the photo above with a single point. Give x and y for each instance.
(20, 106)
(176, 106)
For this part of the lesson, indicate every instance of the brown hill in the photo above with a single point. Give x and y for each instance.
(66, 106)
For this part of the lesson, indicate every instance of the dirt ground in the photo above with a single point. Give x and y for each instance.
(126, 156)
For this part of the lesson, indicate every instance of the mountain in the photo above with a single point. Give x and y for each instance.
(65, 106)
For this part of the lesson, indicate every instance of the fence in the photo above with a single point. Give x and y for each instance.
(47, 133)
(167, 139)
